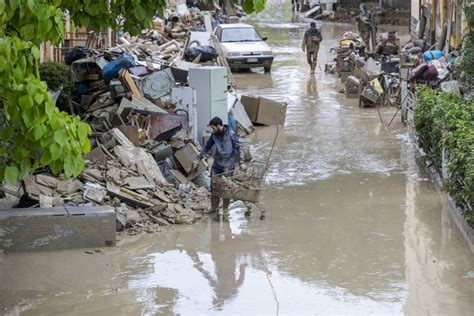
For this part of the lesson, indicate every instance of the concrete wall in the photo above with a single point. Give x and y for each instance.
(415, 9)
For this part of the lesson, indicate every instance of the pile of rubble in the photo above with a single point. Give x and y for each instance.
(147, 188)
(379, 81)
(145, 117)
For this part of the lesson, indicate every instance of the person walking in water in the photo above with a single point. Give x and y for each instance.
(312, 38)
(225, 147)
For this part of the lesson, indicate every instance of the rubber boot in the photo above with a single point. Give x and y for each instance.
(225, 207)
(313, 66)
(215, 206)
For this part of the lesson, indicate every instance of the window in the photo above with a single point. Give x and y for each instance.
(246, 34)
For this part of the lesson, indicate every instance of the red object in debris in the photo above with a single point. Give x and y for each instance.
(160, 123)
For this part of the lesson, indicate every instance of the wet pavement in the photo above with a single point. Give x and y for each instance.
(354, 225)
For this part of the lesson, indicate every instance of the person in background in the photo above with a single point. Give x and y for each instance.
(388, 46)
(312, 38)
(364, 27)
(225, 146)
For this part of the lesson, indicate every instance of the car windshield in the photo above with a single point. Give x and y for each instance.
(246, 34)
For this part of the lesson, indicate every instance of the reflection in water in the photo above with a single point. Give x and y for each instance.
(224, 281)
(311, 87)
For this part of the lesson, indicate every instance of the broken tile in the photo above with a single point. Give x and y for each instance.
(134, 183)
(94, 192)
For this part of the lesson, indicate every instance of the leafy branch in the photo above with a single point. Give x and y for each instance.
(445, 122)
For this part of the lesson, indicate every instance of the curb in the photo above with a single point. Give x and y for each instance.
(467, 231)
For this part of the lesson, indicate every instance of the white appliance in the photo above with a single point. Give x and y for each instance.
(185, 99)
(210, 84)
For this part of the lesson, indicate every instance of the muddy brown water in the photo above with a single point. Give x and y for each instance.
(354, 224)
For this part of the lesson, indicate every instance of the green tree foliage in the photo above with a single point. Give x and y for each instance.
(445, 121)
(59, 76)
(33, 132)
(468, 45)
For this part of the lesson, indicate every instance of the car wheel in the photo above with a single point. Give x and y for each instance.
(267, 69)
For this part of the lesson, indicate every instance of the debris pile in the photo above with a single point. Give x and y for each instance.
(388, 75)
(146, 192)
(145, 114)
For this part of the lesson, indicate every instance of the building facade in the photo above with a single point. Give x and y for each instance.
(438, 22)
(402, 5)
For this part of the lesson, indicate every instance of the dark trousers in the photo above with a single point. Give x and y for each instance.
(312, 58)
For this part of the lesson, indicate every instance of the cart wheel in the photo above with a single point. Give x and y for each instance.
(262, 217)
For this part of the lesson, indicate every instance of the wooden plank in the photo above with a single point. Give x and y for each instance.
(127, 80)
(115, 191)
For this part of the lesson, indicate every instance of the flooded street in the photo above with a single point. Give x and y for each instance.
(354, 224)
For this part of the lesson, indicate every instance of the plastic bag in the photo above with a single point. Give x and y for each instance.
(377, 86)
(207, 53)
(431, 73)
(76, 53)
(112, 68)
(432, 55)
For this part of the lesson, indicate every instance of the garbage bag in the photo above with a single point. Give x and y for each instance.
(390, 67)
(415, 50)
(207, 53)
(375, 84)
(418, 71)
(112, 68)
(432, 55)
(76, 53)
(431, 73)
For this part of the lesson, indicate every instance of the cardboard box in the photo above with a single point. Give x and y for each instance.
(251, 106)
(264, 111)
(186, 156)
(271, 112)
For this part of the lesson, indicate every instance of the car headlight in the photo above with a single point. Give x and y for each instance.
(268, 53)
(236, 54)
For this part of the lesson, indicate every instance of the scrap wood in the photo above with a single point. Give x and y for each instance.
(124, 195)
(107, 152)
(127, 81)
(160, 195)
(122, 139)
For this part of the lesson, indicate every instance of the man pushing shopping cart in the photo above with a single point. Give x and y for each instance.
(225, 146)
(245, 185)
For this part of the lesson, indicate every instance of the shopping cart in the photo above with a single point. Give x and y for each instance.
(245, 186)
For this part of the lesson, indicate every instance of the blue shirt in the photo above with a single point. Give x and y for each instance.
(225, 148)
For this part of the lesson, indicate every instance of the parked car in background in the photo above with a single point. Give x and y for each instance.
(244, 47)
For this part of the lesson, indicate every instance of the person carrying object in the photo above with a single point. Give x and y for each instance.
(224, 145)
(311, 39)
(388, 46)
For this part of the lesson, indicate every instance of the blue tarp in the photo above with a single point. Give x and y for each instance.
(432, 54)
(112, 68)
